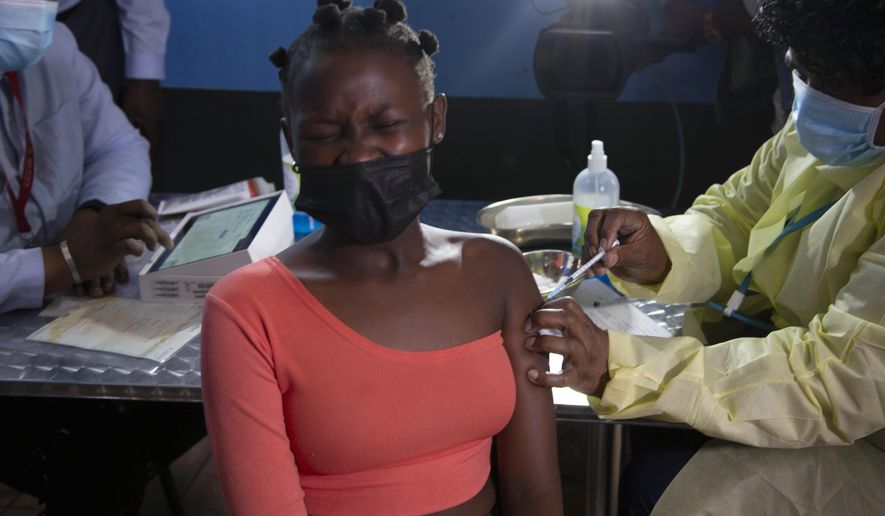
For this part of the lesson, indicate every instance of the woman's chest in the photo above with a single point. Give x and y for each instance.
(424, 312)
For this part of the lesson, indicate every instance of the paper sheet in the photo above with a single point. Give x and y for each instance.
(239, 191)
(610, 311)
(126, 326)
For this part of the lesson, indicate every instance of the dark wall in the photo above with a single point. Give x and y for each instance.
(494, 148)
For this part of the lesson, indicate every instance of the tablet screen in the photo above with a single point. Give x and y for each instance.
(216, 233)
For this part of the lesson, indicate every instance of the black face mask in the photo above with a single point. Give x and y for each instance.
(370, 202)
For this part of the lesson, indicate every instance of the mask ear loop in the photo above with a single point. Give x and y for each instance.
(430, 144)
(875, 121)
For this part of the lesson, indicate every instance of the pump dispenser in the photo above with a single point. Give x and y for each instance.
(595, 187)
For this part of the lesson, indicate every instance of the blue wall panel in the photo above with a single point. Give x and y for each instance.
(486, 47)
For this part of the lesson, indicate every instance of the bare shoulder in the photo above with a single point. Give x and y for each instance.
(484, 250)
(246, 282)
(489, 256)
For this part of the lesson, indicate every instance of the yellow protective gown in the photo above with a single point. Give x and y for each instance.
(819, 379)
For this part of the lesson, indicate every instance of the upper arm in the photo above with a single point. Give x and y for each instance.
(116, 166)
(735, 206)
(145, 27)
(707, 241)
(244, 417)
(526, 448)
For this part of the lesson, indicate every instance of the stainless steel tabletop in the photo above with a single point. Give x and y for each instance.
(36, 369)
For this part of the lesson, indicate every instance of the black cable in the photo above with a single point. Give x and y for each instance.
(680, 134)
(547, 13)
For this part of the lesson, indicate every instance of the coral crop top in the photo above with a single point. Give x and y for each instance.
(307, 416)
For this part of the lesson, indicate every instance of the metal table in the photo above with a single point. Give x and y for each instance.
(36, 369)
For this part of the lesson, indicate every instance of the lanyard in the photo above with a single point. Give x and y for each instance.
(27, 180)
(737, 297)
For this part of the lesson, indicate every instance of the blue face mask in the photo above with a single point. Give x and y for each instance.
(834, 131)
(25, 32)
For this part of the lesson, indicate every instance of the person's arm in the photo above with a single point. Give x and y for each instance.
(527, 458)
(145, 26)
(796, 387)
(116, 167)
(23, 275)
(244, 417)
(704, 244)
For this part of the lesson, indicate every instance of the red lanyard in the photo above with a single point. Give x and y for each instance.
(24, 190)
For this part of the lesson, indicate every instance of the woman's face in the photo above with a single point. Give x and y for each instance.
(359, 106)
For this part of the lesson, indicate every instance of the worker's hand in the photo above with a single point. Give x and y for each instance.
(583, 345)
(105, 285)
(99, 241)
(640, 257)
(686, 23)
(143, 103)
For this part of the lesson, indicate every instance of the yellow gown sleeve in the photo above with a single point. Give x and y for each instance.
(706, 242)
(797, 387)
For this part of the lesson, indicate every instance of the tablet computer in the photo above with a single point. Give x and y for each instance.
(215, 233)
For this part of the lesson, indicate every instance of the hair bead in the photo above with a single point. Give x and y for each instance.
(396, 11)
(328, 15)
(372, 17)
(279, 57)
(428, 41)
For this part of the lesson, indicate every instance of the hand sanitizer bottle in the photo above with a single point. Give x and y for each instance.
(595, 187)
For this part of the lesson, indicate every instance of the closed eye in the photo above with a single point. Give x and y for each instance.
(389, 124)
(318, 137)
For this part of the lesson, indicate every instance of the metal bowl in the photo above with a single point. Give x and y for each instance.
(558, 233)
(549, 266)
(530, 236)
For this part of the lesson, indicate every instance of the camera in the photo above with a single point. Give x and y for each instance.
(593, 49)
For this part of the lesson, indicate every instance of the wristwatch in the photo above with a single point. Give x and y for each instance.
(92, 204)
(711, 34)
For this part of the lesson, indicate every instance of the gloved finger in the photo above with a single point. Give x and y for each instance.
(560, 303)
(565, 346)
(574, 324)
(566, 378)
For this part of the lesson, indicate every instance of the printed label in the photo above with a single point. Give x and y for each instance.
(579, 226)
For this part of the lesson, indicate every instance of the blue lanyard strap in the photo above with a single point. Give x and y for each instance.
(737, 297)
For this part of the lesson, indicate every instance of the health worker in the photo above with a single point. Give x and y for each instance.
(790, 253)
(74, 176)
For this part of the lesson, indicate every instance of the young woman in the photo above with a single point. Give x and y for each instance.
(368, 368)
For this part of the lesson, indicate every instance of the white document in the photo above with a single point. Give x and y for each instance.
(593, 292)
(610, 311)
(126, 326)
(62, 305)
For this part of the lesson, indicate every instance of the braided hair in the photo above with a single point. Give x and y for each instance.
(840, 42)
(338, 26)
